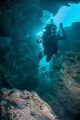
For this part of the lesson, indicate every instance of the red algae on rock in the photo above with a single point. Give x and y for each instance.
(23, 105)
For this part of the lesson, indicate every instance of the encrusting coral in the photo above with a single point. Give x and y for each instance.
(23, 105)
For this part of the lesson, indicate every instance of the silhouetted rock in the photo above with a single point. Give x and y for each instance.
(17, 17)
(76, 28)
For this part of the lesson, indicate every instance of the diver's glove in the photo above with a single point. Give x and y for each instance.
(40, 40)
(61, 25)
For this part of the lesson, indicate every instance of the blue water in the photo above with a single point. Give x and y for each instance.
(67, 15)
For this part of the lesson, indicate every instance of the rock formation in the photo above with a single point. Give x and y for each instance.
(66, 75)
(23, 105)
(19, 64)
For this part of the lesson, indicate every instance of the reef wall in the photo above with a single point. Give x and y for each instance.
(66, 75)
(19, 63)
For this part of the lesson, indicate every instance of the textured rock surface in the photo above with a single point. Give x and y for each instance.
(5, 44)
(65, 74)
(70, 77)
(66, 82)
(23, 105)
(16, 18)
(19, 64)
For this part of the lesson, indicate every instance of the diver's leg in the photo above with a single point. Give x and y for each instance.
(41, 54)
(49, 56)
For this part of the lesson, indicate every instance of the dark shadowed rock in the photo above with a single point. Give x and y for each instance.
(76, 27)
(5, 45)
(17, 17)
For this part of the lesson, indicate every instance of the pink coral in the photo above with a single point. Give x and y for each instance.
(48, 113)
(23, 105)
(5, 91)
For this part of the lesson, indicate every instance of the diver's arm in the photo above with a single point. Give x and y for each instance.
(64, 34)
(63, 37)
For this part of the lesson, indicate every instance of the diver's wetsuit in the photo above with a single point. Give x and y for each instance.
(50, 44)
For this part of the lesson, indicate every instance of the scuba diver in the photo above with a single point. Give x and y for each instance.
(49, 41)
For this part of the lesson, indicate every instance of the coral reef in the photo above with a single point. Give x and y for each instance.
(19, 65)
(66, 82)
(65, 75)
(23, 105)
(70, 77)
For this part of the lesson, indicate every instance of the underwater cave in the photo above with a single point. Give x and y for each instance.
(40, 59)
